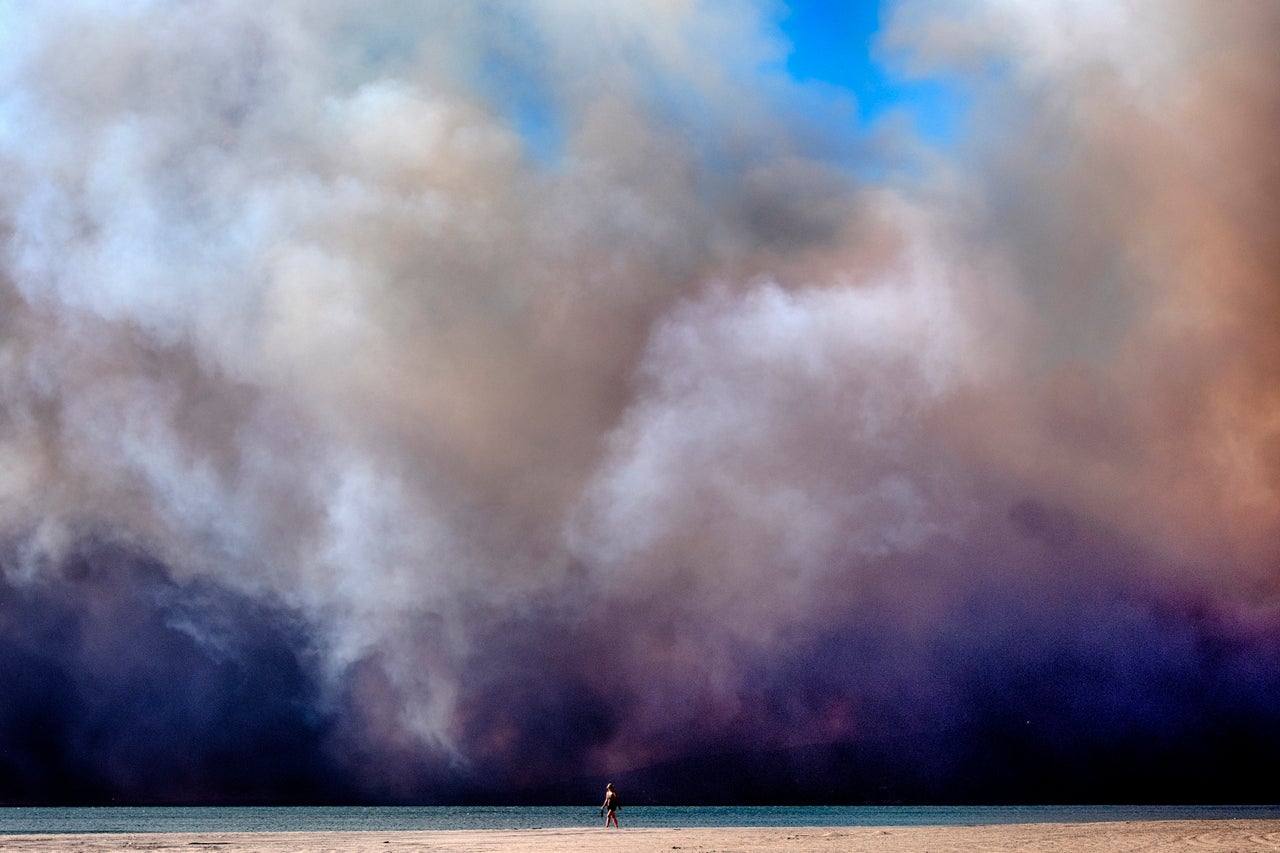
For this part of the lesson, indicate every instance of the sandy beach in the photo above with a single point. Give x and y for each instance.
(1199, 835)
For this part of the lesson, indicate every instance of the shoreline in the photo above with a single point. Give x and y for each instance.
(1225, 834)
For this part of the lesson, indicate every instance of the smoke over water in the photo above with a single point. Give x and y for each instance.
(443, 402)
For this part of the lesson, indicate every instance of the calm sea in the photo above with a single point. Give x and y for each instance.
(26, 820)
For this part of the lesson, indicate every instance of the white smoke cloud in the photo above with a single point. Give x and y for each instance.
(787, 429)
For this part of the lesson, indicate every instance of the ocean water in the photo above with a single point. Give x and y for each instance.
(27, 820)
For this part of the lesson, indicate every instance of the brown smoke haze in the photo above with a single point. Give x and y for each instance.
(422, 466)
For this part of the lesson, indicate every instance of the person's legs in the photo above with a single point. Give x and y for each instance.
(611, 819)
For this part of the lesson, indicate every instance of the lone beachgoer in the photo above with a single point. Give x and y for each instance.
(610, 805)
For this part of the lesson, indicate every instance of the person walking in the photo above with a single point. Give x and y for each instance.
(610, 805)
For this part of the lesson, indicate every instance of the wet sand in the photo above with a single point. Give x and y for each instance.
(1198, 835)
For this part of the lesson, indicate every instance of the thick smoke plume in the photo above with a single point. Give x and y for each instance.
(437, 402)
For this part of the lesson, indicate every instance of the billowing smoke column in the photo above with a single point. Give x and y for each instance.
(440, 402)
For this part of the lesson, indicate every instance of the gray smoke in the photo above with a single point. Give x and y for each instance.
(595, 453)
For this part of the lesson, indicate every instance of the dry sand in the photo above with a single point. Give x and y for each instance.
(1199, 835)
